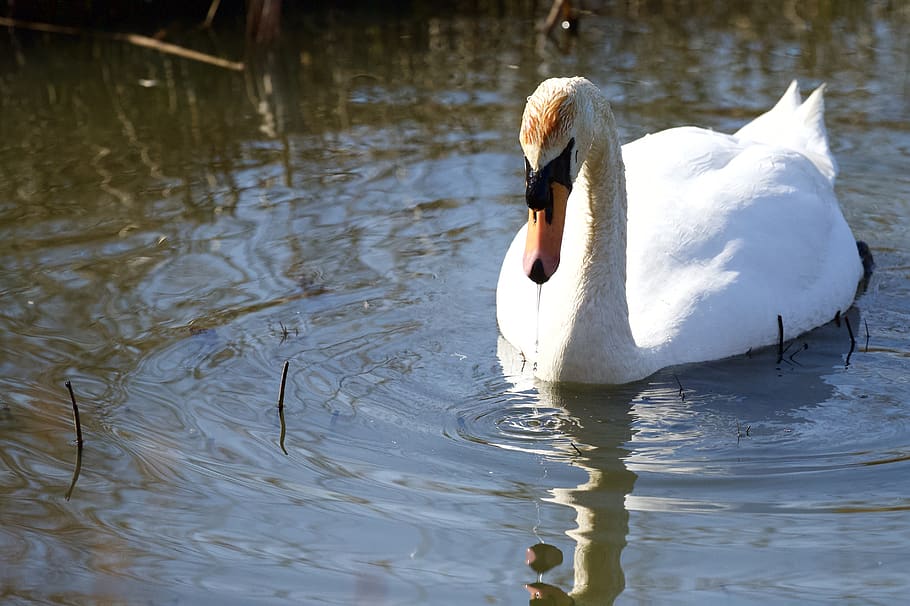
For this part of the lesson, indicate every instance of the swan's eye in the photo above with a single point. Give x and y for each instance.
(562, 170)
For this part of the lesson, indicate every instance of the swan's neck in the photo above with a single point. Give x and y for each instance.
(592, 340)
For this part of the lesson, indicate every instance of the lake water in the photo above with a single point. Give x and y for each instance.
(171, 233)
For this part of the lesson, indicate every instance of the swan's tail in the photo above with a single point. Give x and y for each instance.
(797, 125)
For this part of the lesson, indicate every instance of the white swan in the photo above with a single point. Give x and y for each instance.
(682, 246)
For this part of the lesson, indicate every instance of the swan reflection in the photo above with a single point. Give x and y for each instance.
(667, 415)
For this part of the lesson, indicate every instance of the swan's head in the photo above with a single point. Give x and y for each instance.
(555, 139)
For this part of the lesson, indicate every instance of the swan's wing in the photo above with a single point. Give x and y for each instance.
(724, 235)
(796, 125)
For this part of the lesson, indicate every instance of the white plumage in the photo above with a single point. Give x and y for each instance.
(688, 254)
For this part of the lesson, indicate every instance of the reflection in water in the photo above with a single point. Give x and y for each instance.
(541, 558)
(610, 422)
(543, 594)
(601, 434)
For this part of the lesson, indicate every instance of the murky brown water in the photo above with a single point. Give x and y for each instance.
(171, 233)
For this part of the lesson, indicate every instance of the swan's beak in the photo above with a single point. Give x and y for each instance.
(545, 236)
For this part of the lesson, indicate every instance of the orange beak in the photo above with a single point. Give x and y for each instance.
(545, 236)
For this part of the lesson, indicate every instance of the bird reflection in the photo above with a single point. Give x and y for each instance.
(758, 383)
(541, 558)
(602, 521)
(543, 594)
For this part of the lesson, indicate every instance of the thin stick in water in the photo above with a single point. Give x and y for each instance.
(76, 422)
(682, 392)
(852, 340)
(283, 431)
(284, 378)
(801, 349)
(780, 338)
(213, 8)
(850, 332)
(136, 39)
(76, 471)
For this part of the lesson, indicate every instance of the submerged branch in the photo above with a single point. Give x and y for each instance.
(852, 341)
(213, 8)
(284, 378)
(76, 471)
(740, 434)
(79, 442)
(76, 422)
(283, 431)
(850, 332)
(780, 338)
(801, 349)
(559, 11)
(682, 392)
(135, 39)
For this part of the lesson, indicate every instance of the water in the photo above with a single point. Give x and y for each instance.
(171, 233)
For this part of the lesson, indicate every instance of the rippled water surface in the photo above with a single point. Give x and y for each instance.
(171, 233)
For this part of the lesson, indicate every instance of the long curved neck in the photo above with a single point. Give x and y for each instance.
(602, 206)
(596, 342)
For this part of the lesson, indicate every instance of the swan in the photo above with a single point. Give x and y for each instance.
(682, 246)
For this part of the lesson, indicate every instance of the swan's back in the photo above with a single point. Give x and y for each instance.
(726, 232)
(796, 125)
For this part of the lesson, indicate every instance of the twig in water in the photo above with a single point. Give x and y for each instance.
(850, 332)
(559, 9)
(135, 39)
(793, 355)
(283, 431)
(682, 392)
(286, 332)
(576, 448)
(852, 341)
(76, 471)
(739, 431)
(284, 378)
(867, 335)
(213, 8)
(780, 338)
(76, 422)
(79, 441)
